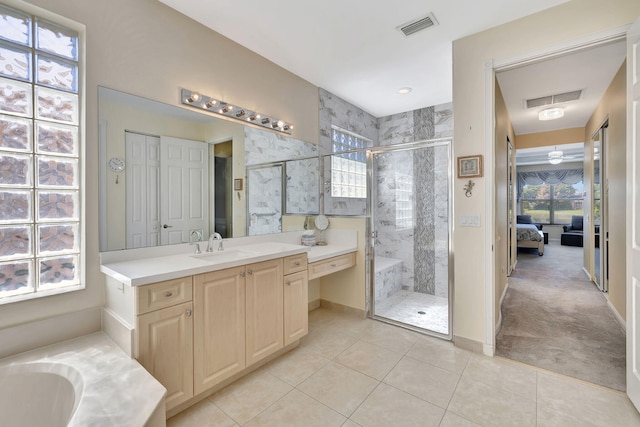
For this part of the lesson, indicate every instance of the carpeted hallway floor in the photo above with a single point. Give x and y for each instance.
(556, 319)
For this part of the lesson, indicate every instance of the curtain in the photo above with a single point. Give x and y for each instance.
(564, 176)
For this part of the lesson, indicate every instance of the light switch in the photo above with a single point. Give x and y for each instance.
(470, 221)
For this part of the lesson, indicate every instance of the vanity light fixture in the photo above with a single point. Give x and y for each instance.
(196, 100)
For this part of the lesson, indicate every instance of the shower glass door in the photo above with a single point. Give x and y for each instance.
(410, 223)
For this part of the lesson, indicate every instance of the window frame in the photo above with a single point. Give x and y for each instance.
(551, 201)
(37, 14)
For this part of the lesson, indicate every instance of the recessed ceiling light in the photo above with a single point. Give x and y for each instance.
(404, 90)
(551, 113)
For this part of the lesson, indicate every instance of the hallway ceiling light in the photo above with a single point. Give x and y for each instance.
(551, 113)
(555, 156)
(404, 90)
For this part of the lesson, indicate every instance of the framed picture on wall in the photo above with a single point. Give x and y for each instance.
(470, 166)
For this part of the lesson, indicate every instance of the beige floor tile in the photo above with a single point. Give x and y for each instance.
(491, 406)
(339, 387)
(454, 420)
(423, 380)
(203, 414)
(388, 406)
(351, 423)
(369, 359)
(297, 409)
(320, 317)
(440, 353)
(510, 376)
(328, 343)
(296, 365)
(564, 401)
(250, 395)
(391, 337)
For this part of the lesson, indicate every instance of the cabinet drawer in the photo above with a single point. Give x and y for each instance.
(295, 263)
(331, 265)
(164, 294)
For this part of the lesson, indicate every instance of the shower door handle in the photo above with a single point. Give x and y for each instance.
(374, 234)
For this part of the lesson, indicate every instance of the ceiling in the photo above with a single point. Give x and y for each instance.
(590, 70)
(353, 49)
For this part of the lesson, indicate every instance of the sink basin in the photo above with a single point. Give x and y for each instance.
(224, 256)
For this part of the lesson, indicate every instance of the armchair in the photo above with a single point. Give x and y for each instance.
(573, 233)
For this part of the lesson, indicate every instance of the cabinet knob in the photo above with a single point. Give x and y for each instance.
(250, 272)
(297, 263)
(333, 265)
(168, 294)
(288, 282)
(243, 274)
(188, 312)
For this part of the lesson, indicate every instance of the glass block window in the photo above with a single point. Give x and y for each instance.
(404, 201)
(40, 169)
(349, 169)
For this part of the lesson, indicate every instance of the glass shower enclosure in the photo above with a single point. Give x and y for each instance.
(410, 207)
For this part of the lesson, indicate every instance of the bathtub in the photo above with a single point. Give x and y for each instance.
(88, 381)
(39, 394)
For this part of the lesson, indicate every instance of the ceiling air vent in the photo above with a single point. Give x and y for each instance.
(416, 25)
(554, 99)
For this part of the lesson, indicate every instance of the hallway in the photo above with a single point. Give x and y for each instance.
(555, 318)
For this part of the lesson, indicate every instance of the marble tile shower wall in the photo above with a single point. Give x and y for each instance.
(263, 147)
(335, 111)
(429, 170)
(428, 263)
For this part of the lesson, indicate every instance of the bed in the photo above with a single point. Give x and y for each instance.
(529, 236)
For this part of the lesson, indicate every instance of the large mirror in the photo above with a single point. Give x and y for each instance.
(169, 175)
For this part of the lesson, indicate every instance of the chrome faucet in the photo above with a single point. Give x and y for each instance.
(215, 236)
(197, 234)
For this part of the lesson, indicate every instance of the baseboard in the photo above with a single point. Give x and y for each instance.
(339, 308)
(619, 318)
(118, 330)
(468, 344)
(29, 336)
(588, 274)
(314, 304)
(499, 323)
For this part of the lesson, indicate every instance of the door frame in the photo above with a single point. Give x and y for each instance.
(372, 200)
(492, 66)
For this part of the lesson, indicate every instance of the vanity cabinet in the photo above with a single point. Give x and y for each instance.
(296, 311)
(219, 332)
(165, 337)
(195, 332)
(265, 302)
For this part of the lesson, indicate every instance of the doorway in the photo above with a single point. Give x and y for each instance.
(411, 228)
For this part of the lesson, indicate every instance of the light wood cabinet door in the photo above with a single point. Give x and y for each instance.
(166, 350)
(219, 330)
(264, 305)
(296, 306)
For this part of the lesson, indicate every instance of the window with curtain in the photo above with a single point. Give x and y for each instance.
(40, 155)
(551, 197)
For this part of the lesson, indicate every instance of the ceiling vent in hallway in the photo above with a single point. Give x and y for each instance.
(554, 99)
(417, 25)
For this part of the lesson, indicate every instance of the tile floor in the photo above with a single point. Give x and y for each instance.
(359, 372)
(407, 306)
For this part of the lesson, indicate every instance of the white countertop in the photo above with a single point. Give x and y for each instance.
(165, 263)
